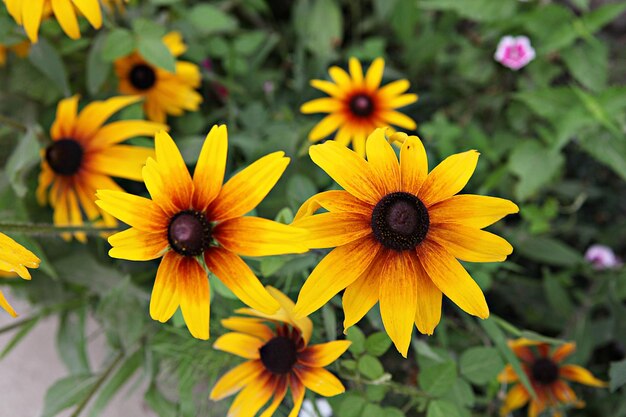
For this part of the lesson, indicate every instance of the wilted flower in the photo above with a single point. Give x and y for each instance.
(602, 257)
(514, 52)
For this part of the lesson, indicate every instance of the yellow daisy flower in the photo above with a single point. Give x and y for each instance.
(196, 222)
(398, 232)
(547, 375)
(358, 104)
(165, 92)
(30, 13)
(279, 357)
(15, 258)
(20, 49)
(84, 154)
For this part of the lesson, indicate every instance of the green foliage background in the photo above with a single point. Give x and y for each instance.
(552, 139)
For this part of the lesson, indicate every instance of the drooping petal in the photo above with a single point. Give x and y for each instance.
(122, 161)
(563, 351)
(304, 324)
(246, 189)
(238, 277)
(334, 201)
(194, 294)
(209, 174)
(360, 296)
(516, 398)
(254, 396)
(470, 244)
(375, 74)
(329, 230)
(449, 177)
(319, 356)
(136, 211)
(452, 279)
(413, 165)
(319, 380)
(32, 18)
(174, 172)
(235, 379)
(563, 392)
(165, 298)
(254, 236)
(340, 268)
(383, 161)
(579, 374)
(471, 210)
(251, 326)
(91, 10)
(428, 311)
(66, 16)
(239, 344)
(137, 245)
(279, 394)
(349, 170)
(297, 394)
(6, 306)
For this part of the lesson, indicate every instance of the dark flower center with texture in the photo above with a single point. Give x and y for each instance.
(545, 371)
(65, 156)
(142, 76)
(189, 233)
(279, 355)
(361, 105)
(400, 221)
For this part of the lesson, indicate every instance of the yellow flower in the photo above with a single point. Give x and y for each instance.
(398, 232)
(547, 375)
(83, 156)
(195, 222)
(20, 49)
(279, 357)
(165, 92)
(30, 13)
(15, 258)
(358, 104)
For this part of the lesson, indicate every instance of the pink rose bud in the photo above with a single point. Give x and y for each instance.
(514, 52)
(602, 257)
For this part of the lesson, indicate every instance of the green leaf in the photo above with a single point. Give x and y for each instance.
(118, 43)
(299, 189)
(351, 406)
(24, 157)
(479, 10)
(441, 408)
(72, 342)
(535, 166)
(47, 60)
(608, 150)
(598, 112)
(377, 343)
(547, 250)
(322, 14)
(155, 52)
(97, 68)
(19, 335)
(557, 296)
(370, 367)
(603, 15)
(159, 404)
(67, 392)
(372, 410)
(330, 322)
(356, 336)
(209, 19)
(123, 374)
(480, 365)
(588, 63)
(461, 394)
(617, 375)
(438, 379)
(393, 412)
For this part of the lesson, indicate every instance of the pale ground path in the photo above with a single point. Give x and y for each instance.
(32, 366)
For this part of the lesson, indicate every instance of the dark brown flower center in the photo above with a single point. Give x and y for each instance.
(400, 221)
(189, 233)
(65, 156)
(545, 371)
(279, 355)
(361, 105)
(142, 76)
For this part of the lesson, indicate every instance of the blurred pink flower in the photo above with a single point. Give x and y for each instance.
(514, 52)
(602, 257)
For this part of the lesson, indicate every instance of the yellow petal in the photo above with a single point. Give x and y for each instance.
(254, 396)
(122, 161)
(563, 392)
(413, 165)
(254, 236)
(136, 211)
(334, 201)
(321, 105)
(449, 177)
(194, 295)
(356, 71)
(394, 88)
(470, 244)
(279, 394)
(209, 173)
(428, 312)
(452, 279)
(398, 119)
(349, 170)
(581, 375)
(375, 74)
(157, 188)
(401, 101)
(320, 381)
(32, 15)
(137, 245)
(239, 344)
(358, 144)
(246, 189)
(382, 161)
(174, 172)
(63, 126)
(508, 375)
(75, 215)
(328, 230)
(251, 326)
(91, 10)
(174, 42)
(340, 77)
(6, 306)
(326, 126)
(66, 16)
(328, 88)
(516, 398)
(360, 296)
(164, 299)
(563, 351)
(235, 379)
(471, 210)
(340, 268)
(297, 394)
(304, 324)
(324, 354)
(93, 116)
(238, 277)
(398, 301)
(116, 132)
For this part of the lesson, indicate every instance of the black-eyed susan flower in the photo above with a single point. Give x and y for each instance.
(165, 92)
(85, 153)
(357, 104)
(398, 232)
(196, 222)
(20, 49)
(548, 376)
(15, 258)
(279, 358)
(30, 13)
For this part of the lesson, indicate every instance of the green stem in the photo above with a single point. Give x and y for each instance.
(67, 305)
(98, 384)
(50, 229)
